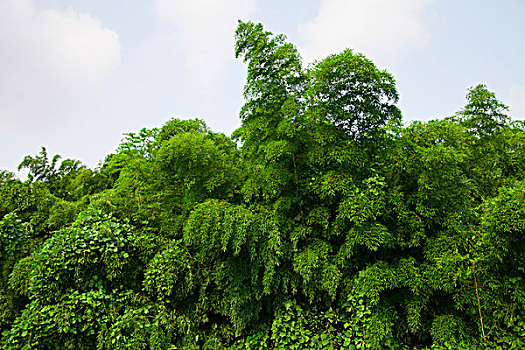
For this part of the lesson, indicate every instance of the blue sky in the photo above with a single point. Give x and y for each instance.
(77, 74)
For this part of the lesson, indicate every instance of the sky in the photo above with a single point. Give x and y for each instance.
(75, 74)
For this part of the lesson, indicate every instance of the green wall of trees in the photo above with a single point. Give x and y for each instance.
(322, 223)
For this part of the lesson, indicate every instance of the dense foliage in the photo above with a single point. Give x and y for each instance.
(323, 222)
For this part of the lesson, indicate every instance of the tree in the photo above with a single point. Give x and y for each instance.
(348, 90)
(484, 114)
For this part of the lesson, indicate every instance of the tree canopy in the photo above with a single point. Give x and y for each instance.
(323, 222)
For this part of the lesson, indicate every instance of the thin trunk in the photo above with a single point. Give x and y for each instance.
(479, 302)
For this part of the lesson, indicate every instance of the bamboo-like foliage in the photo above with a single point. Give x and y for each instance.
(322, 223)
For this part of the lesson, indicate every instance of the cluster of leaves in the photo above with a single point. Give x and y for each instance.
(322, 223)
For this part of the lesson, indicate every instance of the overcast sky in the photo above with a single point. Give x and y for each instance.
(76, 74)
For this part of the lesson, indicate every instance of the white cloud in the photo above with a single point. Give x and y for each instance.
(377, 28)
(516, 100)
(51, 61)
(205, 32)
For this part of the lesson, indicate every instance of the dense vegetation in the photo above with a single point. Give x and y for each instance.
(323, 222)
